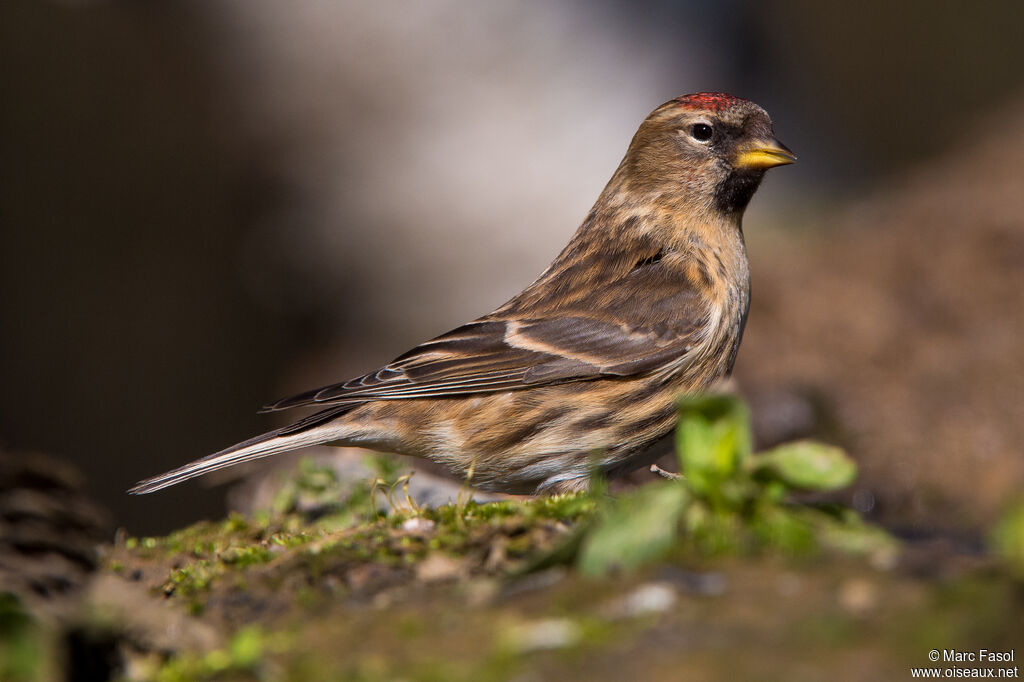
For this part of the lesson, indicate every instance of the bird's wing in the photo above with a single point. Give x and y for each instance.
(507, 354)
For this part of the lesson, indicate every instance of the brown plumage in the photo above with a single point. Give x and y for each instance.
(584, 366)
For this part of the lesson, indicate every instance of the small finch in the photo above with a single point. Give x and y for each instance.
(583, 368)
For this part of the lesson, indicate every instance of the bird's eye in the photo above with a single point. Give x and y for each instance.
(701, 132)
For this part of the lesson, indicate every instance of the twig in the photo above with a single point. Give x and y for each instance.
(655, 469)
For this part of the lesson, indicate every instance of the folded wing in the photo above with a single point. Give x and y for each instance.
(501, 355)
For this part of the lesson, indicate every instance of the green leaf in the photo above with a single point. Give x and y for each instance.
(712, 441)
(636, 529)
(808, 465)
(852, 536)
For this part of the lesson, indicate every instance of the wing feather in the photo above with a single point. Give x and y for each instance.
(506, 355)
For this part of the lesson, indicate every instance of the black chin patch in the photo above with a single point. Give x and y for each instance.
(734, 193)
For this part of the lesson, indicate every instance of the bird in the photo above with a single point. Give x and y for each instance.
(583, 369)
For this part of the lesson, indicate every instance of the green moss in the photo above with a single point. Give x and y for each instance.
(240, 659)
(193, 578)
(245, 556)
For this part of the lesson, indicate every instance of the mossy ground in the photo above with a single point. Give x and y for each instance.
(486, 592)
(721, 574)
(451, 602)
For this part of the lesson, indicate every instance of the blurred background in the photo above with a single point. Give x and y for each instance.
(209, 205)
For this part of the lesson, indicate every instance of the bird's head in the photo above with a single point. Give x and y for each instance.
(709, 149)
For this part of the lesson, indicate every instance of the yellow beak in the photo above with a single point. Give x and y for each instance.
(764, 153)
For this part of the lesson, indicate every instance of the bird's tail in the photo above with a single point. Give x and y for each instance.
(314, 430)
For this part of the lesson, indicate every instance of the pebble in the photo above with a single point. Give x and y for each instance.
(650, 598)
(544, 635)
(645, 600)
(858, 595)
(418, 525)
(438, 567)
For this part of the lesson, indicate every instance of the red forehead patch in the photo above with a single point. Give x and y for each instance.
(714, 101)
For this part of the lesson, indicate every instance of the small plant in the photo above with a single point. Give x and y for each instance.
(727, 498)
(388, 481)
